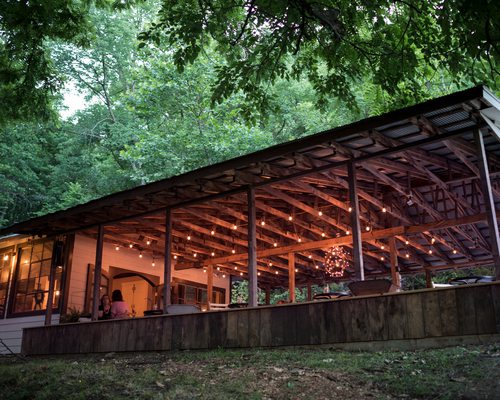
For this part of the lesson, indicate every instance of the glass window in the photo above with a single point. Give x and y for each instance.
(5, 263)
(31, 287)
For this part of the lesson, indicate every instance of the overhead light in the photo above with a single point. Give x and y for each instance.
(384, 210)
(320, 213)
(116, 248)
(212, 232)
(140, 255)
(275, 244)
(148, 242)
(290, 218)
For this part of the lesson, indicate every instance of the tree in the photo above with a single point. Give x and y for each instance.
(398, 45)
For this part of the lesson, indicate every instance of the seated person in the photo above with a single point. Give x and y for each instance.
(119, 308)
(105, 307)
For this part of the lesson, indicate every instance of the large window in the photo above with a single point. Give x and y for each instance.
(5, 263)
(31, 288)
(186, 292)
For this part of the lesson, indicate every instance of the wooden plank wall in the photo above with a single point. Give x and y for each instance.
(460, 311)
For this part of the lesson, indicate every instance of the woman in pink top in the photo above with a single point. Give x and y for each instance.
(119, 308)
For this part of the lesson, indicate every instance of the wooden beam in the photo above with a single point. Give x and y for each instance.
(489, 201)
(252, 249)
(97, 272)
(291, 277)
(347, 240)
(167, 263)
(357, 245)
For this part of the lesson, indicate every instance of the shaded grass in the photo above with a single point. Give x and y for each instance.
(254, 374)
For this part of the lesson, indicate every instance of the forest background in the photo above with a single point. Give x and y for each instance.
(169, 86)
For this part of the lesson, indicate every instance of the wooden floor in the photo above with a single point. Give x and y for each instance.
(431, 313)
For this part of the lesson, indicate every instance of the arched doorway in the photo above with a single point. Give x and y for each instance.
(138, 289)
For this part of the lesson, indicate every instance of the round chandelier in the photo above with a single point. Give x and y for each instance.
(336, 261)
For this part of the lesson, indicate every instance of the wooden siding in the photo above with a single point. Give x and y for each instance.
(11, 330)
(432, 313)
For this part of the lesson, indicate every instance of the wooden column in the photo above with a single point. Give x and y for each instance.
(56, 261)
(210, 285)
(395, 276)
(167, 262)
(428, 278)
(309, 291)
(489, 200)
(252, 249)
(268, 295)
(291, 277)
(97, 272)
(357, 245)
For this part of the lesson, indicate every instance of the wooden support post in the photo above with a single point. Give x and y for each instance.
(357, 245)
(252, 249)
(56, 259)
(97, 272)
(210, 285)
(291, 277)
(268, 295)
(395, 276)
(309, 291)
(489, 200)
(167, 263)
(428, 278)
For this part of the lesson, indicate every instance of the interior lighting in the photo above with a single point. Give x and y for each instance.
(6, 257)
(117, 247)
(347, 232)
(233, 251)
(290, 218)
(433, 240)
(276, 272)
(241, 273)
(175, 257)
(454, 251)
(263, 223)
(407, 242)
(235, 268)
(299, 240)
(153, 264)
(204, 271)
(382, 258)
(320, 213)
(212, 253)
(430, 251)
(350, 209)
(58, 292)
(384, 210)
(258, 273)
(323, 234)
(212, 232)
(270, 264)
(189, 237)
(235, 227)
(310, 256)
(407, 255)
(195, 255)
(316, 266)
(296, 270)
(367, 229)
(382, 247)
(223, 275)
(140, 255)
(130, 245)
(148, 242)
(275, 244)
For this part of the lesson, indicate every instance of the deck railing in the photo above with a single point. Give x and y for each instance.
(454, 312)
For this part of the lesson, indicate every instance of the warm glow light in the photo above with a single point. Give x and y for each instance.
(235, 227)
(223, 275)
(276, 272)
(310, 256)
(258, 273)
(218, 268)
(212, 253)
(204, 271)
(430, 251)
(290, 218)
(241, 273)
(382, 258)
(350, 209)
(235, 267)
(175, 257)
(233, 251)
(382, 247)
(117, 248)
(433, 240)
(367, 229)
(316, 266)
(270, 264)
(320, 213)
(296, 270)
(212, 232)
(153, 264)
(130, 245)
(263, 223)
(195, 254)
(407, 255)
(407, 242)
(189, 237)
(275, 244)
(347, 232)
(299, 240)
(148, 242)
(140, 255)
(58, 292)
(454, 251)
(384, 209)
(335, 261)
(323, 234)
(6, 257)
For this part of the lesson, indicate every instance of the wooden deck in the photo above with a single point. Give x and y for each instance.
(433, 313)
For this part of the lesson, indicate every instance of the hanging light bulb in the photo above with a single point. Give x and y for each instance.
(407, 255)
(296, 270)
(148, 242)
(430, 251)
(204, 271)
(347, 232)
(382, 258)
(323, 234)
(263, 223)
(235, 227)
(290, 218)
(384, 210)
(407, 242)
(153, 264)
(212, 254)
(212, 232)
(276, 272)
(235, 268)
(130, 245)
(258, 273)
(241, 273)
(140, 255)
(195, 255)
(270, 264)
(433, 240)
(218, 268)
(367, 229)
(275, 244)
(223, 275)
(350, 209)
(316, 266)
(299, 240)
(6, 257)
(117, 247)
(454, 251)
(320, 213)
(233, 251)
(335, 261)
(382, 247)
(310, 256)
(175, 257)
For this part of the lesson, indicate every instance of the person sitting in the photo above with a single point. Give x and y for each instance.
(119, 308)
(105, 307)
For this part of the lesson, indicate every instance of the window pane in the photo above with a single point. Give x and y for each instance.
(47, 250)
(190, 295)
(36, 255)
(45, 268)
(25, 256)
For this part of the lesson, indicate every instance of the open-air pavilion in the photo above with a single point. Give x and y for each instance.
(413, 191)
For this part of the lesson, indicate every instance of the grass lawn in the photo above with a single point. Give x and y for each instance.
(471, 372)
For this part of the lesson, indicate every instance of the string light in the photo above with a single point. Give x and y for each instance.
(241, 273)
(347, 233)
(433, 240)
(316, 266)
(204, 271)
(223, 275)
(290, 218)
(140, 255)
(212, 232)
(320, 213)
(430, 251)
(299, 240)
(310, 256)
(367, 229)
(195, 255)
(130, 245)
(407, 255)
(233, 251)
(175, 257)
(235, 227)
(382, 247)
(275, 244)
(323, 234)
(384, 210)
(296, 270)
(454, 251)
(189, 237)
(270, 264)
(148, 242)
(350, 209)
(258, 273)
(276, 272)
(153, 264)
(263, 223)
(382, 258)
(407, 242)
(235, 268)
(336, 261)
(218, 268)
(117, 248)
(212, 254)
(6, 257)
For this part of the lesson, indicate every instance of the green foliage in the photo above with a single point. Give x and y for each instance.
(335, 44)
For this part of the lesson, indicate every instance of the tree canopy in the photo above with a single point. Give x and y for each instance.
(398, 44)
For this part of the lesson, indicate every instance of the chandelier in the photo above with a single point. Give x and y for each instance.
(336, 261)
